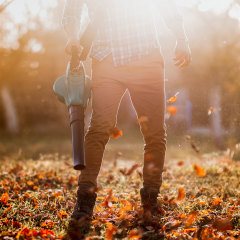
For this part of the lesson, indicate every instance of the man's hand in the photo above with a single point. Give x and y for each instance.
(73, 42)
(182, 54)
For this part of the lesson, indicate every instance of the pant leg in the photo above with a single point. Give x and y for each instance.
(148, 96)
(106, 97)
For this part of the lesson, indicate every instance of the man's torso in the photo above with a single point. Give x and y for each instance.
(127, 31)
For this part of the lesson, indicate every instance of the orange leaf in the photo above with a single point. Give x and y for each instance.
(180, 163)
(30, 183)
(48, 224)
(180, 194)
(4, 198)
(134, 234)
(62, 214)
(190, 219)
(115, 133)
(107, 203)
(216, 201)
(172, 110)
(173, 99)
(111, 230)
(46, 233)
(211, 110)
(199, 170)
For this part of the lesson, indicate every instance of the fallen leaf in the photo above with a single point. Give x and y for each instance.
(48, 224)
(216, 201)
(107, 203)
(191, 218)
(30, 183)
(111, 230)
(180, 194)
(223, 224)
(135, 234)
(62, 214)
(4, 198)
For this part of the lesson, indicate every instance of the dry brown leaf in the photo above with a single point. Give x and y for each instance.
(223, 224)
(132, 169)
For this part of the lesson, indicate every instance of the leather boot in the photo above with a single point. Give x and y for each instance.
(86, 199)
(149, 200)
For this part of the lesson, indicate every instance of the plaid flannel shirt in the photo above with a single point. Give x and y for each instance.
(129, 28)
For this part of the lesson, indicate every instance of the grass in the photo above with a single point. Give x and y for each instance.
(199, 196)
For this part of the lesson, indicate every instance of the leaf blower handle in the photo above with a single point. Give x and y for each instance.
(75, 59)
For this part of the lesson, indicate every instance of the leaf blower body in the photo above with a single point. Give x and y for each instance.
(74, 91)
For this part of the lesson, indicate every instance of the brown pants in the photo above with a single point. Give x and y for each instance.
(144, 79)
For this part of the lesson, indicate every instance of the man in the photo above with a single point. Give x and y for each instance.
(126, 55)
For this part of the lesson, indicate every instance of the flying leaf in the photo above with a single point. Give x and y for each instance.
(199, 170)
(132, 169)
(195, 148)
(180, 163)
(142, 119)
(173, 99)
(115, 133)
(172, 110)
(211, 110)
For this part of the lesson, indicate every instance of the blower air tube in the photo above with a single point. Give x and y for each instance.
(77, 128)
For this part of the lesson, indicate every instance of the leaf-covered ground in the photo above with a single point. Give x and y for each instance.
(199, 199)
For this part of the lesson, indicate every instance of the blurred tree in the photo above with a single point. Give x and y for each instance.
(9, 110)
(5, 4)
(215, 70)
(28, 71)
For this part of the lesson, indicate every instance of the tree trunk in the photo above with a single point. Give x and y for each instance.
(10, 114)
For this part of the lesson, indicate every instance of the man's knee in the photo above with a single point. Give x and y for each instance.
(99, 131)
(156, 139)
